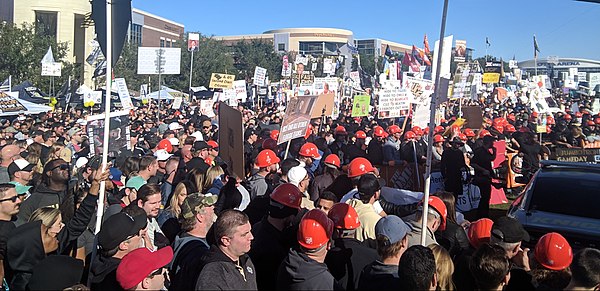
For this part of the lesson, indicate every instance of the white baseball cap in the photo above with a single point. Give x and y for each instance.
(174, 141)
(197, 135)
(162, 155)
(175, 125)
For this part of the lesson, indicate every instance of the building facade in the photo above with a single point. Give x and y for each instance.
(317, 41)
(150, 30)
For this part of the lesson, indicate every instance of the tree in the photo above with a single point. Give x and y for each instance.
(21, 53)
(250, 54)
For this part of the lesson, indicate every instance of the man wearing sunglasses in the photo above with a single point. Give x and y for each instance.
(145, 270)
(51, 192)
(10, 202)
(20, 173)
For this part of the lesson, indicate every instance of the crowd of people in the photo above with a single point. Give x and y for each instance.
(311, 215)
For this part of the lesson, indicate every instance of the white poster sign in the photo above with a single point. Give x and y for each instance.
(392, 101)
(240, 90)
(123, 93)
(260, 75)
(177, 103)
(328, 66)
(51, 69)
(155, 60)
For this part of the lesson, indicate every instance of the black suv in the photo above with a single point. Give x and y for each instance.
(562, 197)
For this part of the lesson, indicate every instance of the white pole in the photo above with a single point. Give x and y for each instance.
(191, 69)
(432, 125)
(108, 91)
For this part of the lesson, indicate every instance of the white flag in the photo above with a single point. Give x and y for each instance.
(49, 57)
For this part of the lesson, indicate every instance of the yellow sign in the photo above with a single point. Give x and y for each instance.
(360, 105)
(489, 78)
(221, 81)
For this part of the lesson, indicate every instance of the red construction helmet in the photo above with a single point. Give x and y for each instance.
(310, 150)
(274, 134)
(378, 131)
(550, 120)
(270, 144)
(578, 114)
(509, 128)
(548, 129)
(438, 129)
(165, 144)
(469, 132)
(438, 138)
(426, 131)
(590, 123)
(332, 159)
(315, 229)
(287, 194)
(360, 134)
(499, 128)
(534, 114)
(358, 167)
(410, 134)
(480, 232)
(568, 117)
(308, 131)
(394, 129)
(266, 158)
(597, 120)
(417, 130)
(343, 216)
(483, 133)
(340, 130)
(462, 137)
(438, 205)
(553, 251)
(511, 117)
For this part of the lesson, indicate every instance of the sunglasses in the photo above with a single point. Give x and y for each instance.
(61, 166)
(157, 272)
(206, 127)
(14, 198)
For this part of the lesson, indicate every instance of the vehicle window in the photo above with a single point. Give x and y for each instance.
(568, 195)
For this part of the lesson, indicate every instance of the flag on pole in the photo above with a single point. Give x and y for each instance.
(536, 49)
(426, 45)
(5, 86)
(388, 51)
(48, 57)
(487, 41)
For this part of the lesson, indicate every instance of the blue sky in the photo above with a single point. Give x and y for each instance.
(564, 28)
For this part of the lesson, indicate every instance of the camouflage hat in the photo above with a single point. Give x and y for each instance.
(193, 203)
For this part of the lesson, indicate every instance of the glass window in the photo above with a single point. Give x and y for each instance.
(281, 47)
(570, 192)
(162, 43)
(45, 23)
(135, 36)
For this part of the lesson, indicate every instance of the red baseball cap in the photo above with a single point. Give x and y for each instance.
(140, 263)
(213, 144)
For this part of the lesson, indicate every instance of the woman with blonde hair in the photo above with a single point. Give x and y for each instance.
(197, 177)
(213, 173)
(168, 219)
(444, 267)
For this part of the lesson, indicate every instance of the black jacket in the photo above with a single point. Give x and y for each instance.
(299, 272)
(269, 247)
(379, 276)
(221, 273)
(43, 196)
(103, 274)
(375, 152)
(453, 238)
(347, 259)
(187, 261)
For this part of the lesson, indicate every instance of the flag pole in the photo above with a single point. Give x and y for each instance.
(108, 91)
(535, 55)
(431, 126)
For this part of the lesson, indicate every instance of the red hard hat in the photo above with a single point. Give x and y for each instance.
(266, 158)
(426, 130)
(568, 117)
(480, 232)
(590, 123)
(358, 167)
(340, 130)
(394, 129)
(550, 120)
(439, 206)
(483, 133)
(438, 129)
(165, 144)
(553, 251)
(534, 114)
(548, 129)
(511, 117)
(343, 216)
(509, 128)
(597, 120)
(333, 159)
(213, 144)
(308, 131)
(274, 134)
(410, 134)
(315, 229)
(417, 130)
(378, 131)
(578, 114)
(499, 128)
(309, 149)
(287, 194)
(469, 132)
(498, 121)
(360, 134)
(524, 129)
(270, 144)
(462, 136)
(438, 138)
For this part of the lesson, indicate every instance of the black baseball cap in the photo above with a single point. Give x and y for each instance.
(118, 228)
(199, 145)
(509, 230)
